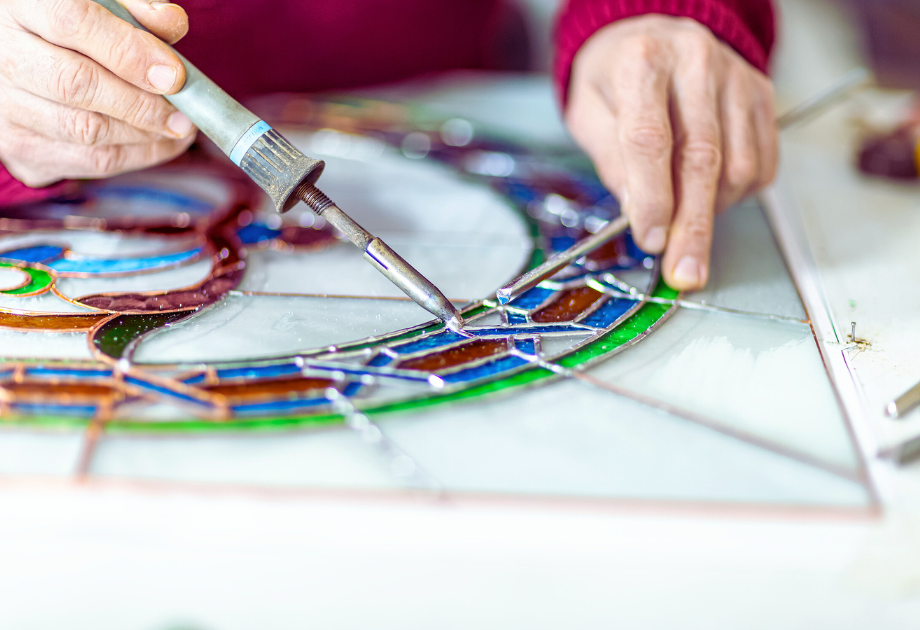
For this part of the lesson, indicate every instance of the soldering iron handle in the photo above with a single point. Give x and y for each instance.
(217, 114)
(263, 154)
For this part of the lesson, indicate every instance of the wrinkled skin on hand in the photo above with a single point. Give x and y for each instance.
(81, 90)
(679, 127)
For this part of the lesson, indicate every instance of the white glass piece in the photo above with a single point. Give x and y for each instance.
(25, 453)
(551, 345)
(852, 241)
(39, 345)
(205, 188)
(493, 318)
(640, 279)
(763, 377)
(570, 439)
(747, 272)
(461, 273)
(178, 278)
(241, 327)
(12, 278)
(47, 302)
(336, 458)
(392, 195)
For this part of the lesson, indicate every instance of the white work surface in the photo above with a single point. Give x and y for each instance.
(138, 554)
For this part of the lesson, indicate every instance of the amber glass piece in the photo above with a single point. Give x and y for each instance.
(64, 322)
(307, 238)
(268, 389)
(58, 393)
(479, 349)
(568, 306)
(607, 254)
(205, 293)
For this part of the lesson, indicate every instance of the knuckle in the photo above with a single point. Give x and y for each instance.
(70, 19)
(75, 82)
(651, 139)
(703, 157)
(147, 112)
(87, 127)
(642, 47)
(741, 172)
(105, 160)
(698, 228)
(652, 210)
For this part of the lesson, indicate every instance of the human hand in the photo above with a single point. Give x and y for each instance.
(80, 89)
(679, 127)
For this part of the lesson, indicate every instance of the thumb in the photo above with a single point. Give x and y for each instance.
(167, 21)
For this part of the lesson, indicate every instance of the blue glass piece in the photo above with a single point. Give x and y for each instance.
(380, 360)
(433, 341)
(41, 371)
(351, 389)
(44, 409)
(561, 243)
(488, 369)
(121, 265)
(516, 318)
(163, 390)
(256, 233)
(527, 346)
(156, 195)
(359, 372)
(37, 254)
(533, 298)
(195, 379)
(609, 312)
(279, 405)
(263, 371)
(522, 330)
(520, 192)
(632, 250)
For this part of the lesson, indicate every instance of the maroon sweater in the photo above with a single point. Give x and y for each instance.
(262, 46)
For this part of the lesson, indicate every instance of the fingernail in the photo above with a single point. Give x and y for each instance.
(159, 5)
(655, 240)
(161, 77)
(179, 124)
(688, 272)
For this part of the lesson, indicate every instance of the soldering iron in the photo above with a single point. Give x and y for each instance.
(287, 175)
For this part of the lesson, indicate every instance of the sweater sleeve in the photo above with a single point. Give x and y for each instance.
(12, 191)
(746, 25)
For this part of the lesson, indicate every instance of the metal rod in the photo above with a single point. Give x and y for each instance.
(538, 274)
(850, 82)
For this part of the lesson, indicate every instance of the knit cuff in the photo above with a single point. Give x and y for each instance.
(13, 191)
(580, 19)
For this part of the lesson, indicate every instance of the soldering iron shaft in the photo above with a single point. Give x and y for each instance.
(382, 257)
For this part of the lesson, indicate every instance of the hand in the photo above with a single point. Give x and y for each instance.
(80, 89)
(679, 127)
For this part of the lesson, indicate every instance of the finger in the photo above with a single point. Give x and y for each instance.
(639, 99)
(68, 124)
(594, 128)
(67, 77)
(698, 165)
(767, 133)
(32, 167)
(740, 145)
(133, 55)
(167, 21)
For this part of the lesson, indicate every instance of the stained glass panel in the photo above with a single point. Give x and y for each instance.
(260, 350)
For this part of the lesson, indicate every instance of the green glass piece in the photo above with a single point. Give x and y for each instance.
(115, 335)
(39, 280)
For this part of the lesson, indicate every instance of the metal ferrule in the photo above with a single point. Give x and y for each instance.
(277, 166)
